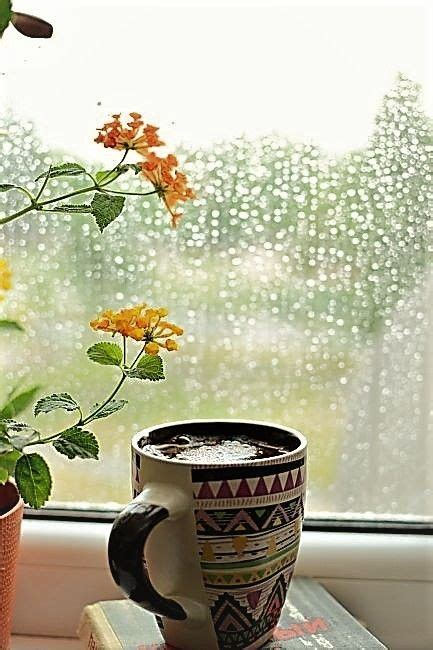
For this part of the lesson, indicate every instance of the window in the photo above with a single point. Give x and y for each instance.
(301, 273)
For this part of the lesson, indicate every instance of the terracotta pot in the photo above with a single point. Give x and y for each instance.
(11, 514)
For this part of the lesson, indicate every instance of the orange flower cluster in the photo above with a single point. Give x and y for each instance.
(135, 135)
(170, 184)
(5, 277)
(141, 323)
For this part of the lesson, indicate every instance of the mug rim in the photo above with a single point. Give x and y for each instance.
(294, 454)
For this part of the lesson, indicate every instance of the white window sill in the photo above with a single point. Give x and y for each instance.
(386, 581)
(44, 643)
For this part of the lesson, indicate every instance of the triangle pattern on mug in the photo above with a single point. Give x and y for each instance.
(248, 520)
(250, 487)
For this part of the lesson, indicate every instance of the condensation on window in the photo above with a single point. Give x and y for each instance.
(304, 285)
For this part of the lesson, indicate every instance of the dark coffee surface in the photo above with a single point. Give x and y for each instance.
(211, 449)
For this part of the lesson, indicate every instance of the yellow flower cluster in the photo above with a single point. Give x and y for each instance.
(5, 277)
(141, 323)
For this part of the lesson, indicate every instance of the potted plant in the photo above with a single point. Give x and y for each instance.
(24, 473)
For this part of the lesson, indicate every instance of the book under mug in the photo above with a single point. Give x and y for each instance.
(311, 618)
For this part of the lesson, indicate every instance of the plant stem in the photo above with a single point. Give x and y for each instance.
(26, 192)
(57, 210)
(42, 441)
(91, 416)
(44, 184)
(67, 196)
(11, 217)
(113, 170)
(132, 193)
(101, 186)
(37, 206)
(137, 357)
(82, 421)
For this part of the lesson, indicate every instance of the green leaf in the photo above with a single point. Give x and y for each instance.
(11, 325)
(33, 479)
(107, 176)
(4, 475)
(8, 461)
(5, 187)
(77, 443)
(5, 445)
(14, 389)
(106, 208)
(108, 409)
(56, 401)
(20, 434)
(72, 208)
(66, 169)
(5, 15)
(18, 403)
(149, 367)
(108, 354)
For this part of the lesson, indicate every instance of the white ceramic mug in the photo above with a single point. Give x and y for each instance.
(220, 540)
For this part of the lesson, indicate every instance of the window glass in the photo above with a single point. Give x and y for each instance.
(301, 272)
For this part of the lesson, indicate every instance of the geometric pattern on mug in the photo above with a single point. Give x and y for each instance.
(237, 574)
(250, 487)
(243, 547)
(247, 520)
(248, 547)
(236, 626)
(252, 599)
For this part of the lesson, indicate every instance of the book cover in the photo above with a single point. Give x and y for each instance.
(311, 618)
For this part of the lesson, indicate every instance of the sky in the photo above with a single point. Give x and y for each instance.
(313, 71)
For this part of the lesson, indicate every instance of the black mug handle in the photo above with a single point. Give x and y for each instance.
(127, 539)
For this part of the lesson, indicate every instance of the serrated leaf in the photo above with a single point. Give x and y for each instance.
(8, 461)
(106, 208)
(12, 425)
(18, 403)
(20, 435)
(107, 354)
(33, 479)
(75, 443)
(4, 475)
(5, 445)
(11, 325)
(56, 401)
(66, 169)
(149, 367)
(72, 208)
(108, 409)
(5, 187)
